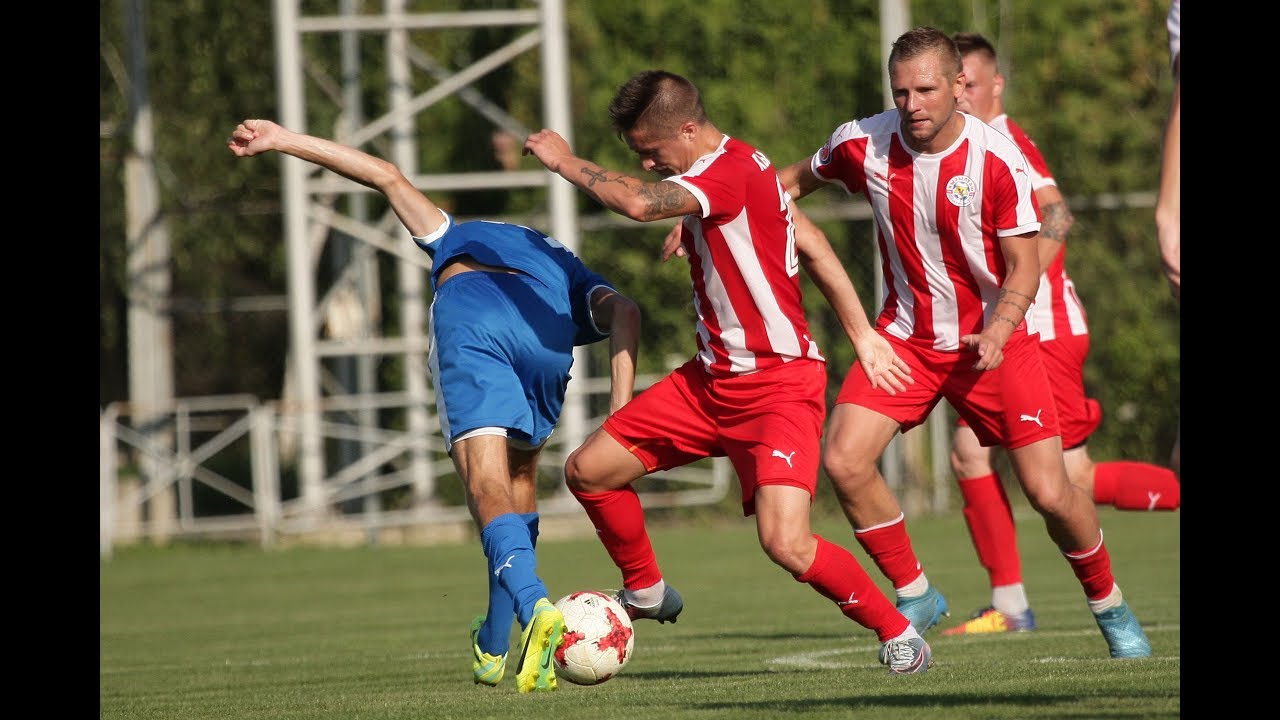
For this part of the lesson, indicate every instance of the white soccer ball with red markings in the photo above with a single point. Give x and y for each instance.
(598, 638)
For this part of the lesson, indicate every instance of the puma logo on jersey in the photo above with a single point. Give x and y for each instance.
(884, 179)
(778, 453)
(1032, 418)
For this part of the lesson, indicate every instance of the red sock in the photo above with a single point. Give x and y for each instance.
(890, 548)
(1136, 486)
(837, 576)
(1093, 567)
(619, 522)
(990, 519)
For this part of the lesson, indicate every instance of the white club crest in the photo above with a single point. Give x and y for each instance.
(824, 154)
(961, 190)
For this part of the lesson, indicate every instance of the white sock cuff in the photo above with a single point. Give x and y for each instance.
(1090, 551)
(900, 518)
(647, 597)
(1113, 599)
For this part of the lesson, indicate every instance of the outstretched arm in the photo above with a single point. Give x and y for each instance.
(623, 194)
(419, 215)
(882, 365)
(620, 317)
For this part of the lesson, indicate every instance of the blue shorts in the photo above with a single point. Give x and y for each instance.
(501, 349)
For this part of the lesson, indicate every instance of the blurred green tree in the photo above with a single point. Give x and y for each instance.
(1089, 80)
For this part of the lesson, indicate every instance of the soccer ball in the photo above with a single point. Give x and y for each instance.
(598, 637)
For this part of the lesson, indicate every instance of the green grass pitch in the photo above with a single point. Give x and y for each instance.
(222, 631)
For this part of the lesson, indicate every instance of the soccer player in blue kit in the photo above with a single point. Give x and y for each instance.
(510, 305)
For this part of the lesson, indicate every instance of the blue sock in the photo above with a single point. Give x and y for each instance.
(531, 522)
(509, 551)
(495, 634)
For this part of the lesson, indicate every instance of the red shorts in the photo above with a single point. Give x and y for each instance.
(1010, 406)
(768, 423)
(1078, 414)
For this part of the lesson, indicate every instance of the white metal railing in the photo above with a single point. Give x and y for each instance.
(227, 451)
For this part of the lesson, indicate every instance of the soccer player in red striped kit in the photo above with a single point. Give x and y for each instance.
(957, 227)
(755, 391)
(1059, 320)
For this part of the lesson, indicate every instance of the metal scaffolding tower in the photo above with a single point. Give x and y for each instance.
(310, 221)
(344, 439)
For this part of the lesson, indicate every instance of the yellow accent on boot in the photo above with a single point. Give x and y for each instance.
(990, 620)
(536, 670)
(486, 669)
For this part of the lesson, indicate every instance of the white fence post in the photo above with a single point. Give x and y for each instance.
(107, 481)
(265, 473)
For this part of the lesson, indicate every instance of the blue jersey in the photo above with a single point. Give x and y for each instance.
(527, 250)
(502, 343)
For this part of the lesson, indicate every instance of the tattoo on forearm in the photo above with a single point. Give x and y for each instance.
(1010, 302)
(660, 197)
(596, 175)
(998, 316)
(1007, 291)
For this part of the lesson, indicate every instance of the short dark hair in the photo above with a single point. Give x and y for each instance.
(921, 40)
(661, 101)
(972, 42)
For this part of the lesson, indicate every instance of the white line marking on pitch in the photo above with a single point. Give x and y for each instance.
(824, 659)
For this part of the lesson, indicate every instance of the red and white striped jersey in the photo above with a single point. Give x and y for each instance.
(1057, 310)
(938, 219)
(743, 263)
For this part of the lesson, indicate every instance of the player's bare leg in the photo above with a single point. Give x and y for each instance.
(501, 499)
(856, 438)
(988, 516)
(1072, 521)
(600, 474)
